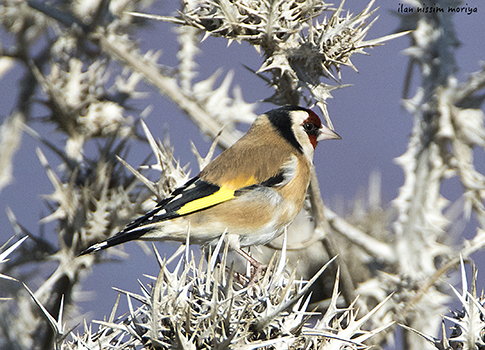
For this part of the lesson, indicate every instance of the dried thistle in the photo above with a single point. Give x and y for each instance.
(203, 306)
(6, 252)
(467, 324)
(298, 52)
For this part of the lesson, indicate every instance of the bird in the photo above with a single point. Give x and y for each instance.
(250, 193)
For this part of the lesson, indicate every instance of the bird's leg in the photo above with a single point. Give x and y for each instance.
(255, 263)
(241, 278)
(258, 267)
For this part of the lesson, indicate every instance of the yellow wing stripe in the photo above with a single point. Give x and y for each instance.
(224, 194)
(239, 182)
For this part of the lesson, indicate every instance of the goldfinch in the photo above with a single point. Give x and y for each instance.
(250, 192)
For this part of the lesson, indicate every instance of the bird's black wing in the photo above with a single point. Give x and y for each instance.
(195, 195)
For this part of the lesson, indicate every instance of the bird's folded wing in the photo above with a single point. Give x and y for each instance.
(198, 195)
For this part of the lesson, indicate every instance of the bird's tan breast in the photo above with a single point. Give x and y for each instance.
(295, 190)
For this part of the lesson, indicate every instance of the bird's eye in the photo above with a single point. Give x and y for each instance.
(309, 127)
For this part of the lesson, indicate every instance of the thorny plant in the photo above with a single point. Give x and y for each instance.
(82, 64)
(202, 306)
(467, 323)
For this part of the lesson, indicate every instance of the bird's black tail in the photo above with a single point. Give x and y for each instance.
(134, 230)
(119, 238)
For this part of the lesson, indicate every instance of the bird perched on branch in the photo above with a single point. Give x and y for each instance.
(250, 192)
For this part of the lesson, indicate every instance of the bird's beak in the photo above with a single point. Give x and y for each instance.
(327, 134)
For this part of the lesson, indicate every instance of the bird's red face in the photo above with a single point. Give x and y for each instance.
(312, 126)
(316, 131)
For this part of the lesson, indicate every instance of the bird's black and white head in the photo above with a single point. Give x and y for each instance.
(301, 127)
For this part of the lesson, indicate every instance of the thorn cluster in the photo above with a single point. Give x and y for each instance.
(203, 306)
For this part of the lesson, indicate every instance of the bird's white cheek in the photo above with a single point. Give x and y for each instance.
(307, 147)
(304, 141)
(309, 152)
